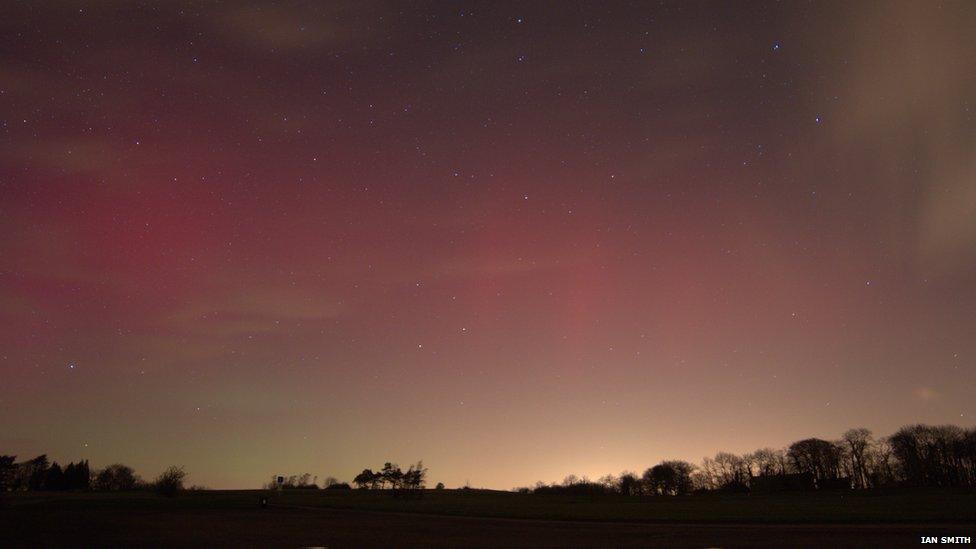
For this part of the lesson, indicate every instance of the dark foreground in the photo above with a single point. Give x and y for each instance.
(282, 527)
(211, 522)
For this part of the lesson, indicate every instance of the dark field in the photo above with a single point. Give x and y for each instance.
(482, 519)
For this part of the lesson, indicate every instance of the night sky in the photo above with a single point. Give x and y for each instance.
(516, 241)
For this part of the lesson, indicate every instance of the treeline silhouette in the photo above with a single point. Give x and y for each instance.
(390, 477)
(39, 474)
(305, 481)
(915, 455)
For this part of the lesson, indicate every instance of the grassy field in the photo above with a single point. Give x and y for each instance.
(453, 518)
(916, 506)
(817, 507)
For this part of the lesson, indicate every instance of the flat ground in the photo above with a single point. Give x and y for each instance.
(482, 519)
